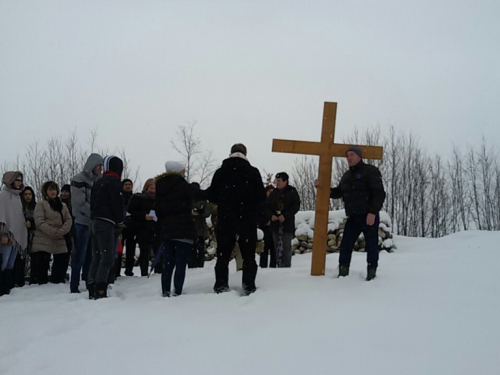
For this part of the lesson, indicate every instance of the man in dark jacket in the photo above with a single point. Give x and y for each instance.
(81, 186)
(238, 191)
(128, 233)
(284, 203)
(107, 216)
(363, 193)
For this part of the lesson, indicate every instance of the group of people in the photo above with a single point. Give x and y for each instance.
(98, 213)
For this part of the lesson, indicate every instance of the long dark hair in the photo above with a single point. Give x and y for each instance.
(56, 203)
(28, 205)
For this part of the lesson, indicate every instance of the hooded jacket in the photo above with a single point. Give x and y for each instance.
(106, 200)
(81, 187)
(12, 222)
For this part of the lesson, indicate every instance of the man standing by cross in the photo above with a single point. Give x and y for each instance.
(363, 193)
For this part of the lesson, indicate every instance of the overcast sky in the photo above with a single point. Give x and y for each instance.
(246, 71)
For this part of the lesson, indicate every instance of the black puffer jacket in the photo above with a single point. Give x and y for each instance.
(173, 200)
(139, 206)
(287, 202)
(238, 191)
(361, 189)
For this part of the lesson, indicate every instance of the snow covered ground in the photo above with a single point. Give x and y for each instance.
(433, 309)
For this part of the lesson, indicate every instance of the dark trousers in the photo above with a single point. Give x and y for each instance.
(59, 267)
(247, 240)
(175, 256)
(20, 269)
(102, 236)
(145, 252)
(354, 226)
(269, 249)
(40, 262)
(286, 249)
(129, 244)
(197, 259)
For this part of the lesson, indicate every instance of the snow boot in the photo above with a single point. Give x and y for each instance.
(3, 287)
(101, 291)
(343, 270)
(371, 273)
(91, 290)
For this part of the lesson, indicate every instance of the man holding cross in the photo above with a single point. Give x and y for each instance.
(363, 193)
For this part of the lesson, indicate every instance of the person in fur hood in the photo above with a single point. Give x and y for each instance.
(238, 191)
(173, 203)
(53, 221)
(13, 231)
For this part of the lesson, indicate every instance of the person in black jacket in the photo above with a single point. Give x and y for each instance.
(128, 234)
(173, 203)
(139, 208)
(238, 191)
(363, 193)
(106, 207)
(265, 226)
(284, 203)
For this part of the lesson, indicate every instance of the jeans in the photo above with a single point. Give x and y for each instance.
(78, 260)
(9, 253)
(353, 228)
(175, 255)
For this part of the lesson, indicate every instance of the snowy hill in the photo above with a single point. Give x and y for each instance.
(433, 309)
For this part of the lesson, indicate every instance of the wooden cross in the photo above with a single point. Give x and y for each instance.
(326, 149)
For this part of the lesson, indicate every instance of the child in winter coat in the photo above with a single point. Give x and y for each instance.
(53, 221)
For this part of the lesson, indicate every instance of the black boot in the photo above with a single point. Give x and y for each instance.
(343, 270)
(101, 291)
(9, 279)
(3, 288)
(248, 278)
(371, 273)
(91, 290)
(221, 280)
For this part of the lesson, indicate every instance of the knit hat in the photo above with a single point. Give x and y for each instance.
(174, 166)
(113, 164)
(66, 188)
(356, 150)
(239, 147)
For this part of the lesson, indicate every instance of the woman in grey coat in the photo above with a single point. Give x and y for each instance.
(53, 221)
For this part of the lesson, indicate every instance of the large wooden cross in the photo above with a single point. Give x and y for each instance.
(326, 149)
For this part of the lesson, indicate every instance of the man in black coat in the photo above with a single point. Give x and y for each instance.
(129, 233)
(106, 212)
(363, 193)
(238, 191)
(284, 203)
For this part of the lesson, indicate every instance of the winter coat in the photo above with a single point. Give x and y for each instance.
(106, 199)
(237, 189)
(81, 186)
(12, 222)
(286, 202)
(139, 206)
(200, 220)
(362, 190)
(51, 227)
(173, 200)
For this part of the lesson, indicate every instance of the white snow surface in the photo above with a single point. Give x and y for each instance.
(433, 309)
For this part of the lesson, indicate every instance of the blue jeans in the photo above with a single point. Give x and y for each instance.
(82, 235)
(9, 253)
(176, 255)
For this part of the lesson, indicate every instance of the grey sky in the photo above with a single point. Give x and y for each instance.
(246, 71)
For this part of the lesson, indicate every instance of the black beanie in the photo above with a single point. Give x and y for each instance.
(239, 147)
(66, 188)
(113, 164)
(282, 175)
(356, 150)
